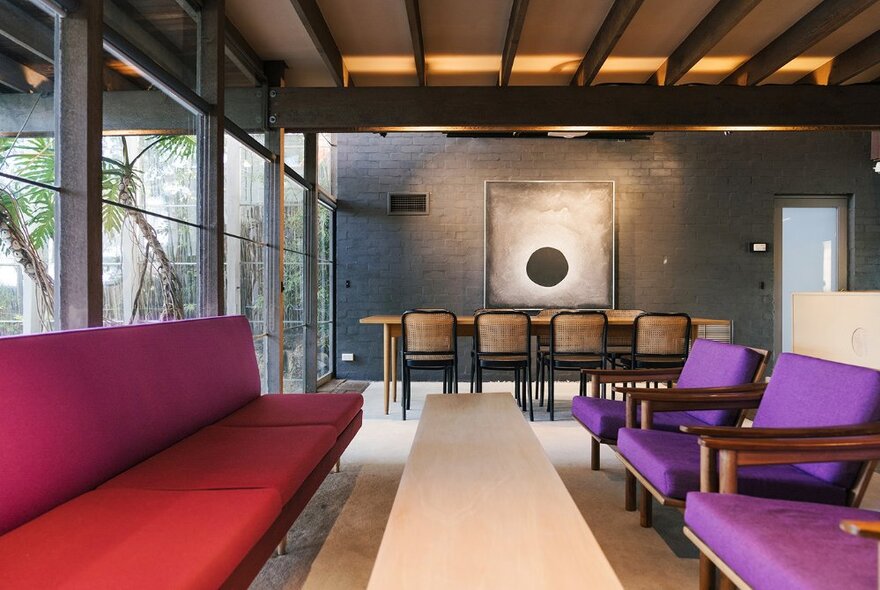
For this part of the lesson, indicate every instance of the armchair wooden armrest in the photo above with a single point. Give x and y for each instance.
(823, 431)
(739, 397)
(632, 375)
(862, 528)
(721, 457)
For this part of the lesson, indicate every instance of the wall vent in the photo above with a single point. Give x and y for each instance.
(408, 204)
(716, 333)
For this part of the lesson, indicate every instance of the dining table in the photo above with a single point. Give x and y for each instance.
(391, 332)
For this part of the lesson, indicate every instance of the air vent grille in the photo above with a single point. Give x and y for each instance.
(718, 333)
(407, 203)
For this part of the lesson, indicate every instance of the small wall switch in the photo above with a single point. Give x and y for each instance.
(348, 356)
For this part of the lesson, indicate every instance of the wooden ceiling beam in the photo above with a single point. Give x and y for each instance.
(414, 16)
(706, 35)
(820, 22)
(26, 31)
(849, 64)
(567, 108)
(618, 18)
(20, 78)
(313, 21)
(511, 41)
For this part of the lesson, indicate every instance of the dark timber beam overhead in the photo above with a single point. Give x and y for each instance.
(720, 20)
(25, 31)
(511, 41)
(596, 108)
(820, 22)
(313, 20)
(415, 31)
(618, 18)
(849, 64)
(20, 78)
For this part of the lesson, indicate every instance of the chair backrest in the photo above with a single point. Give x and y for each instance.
(619, 336)
(716, 364)
(544, 339)
(79, 407)
(425, 330)
(578, 332)
(502, 332)
(809, 392)
(661, 334)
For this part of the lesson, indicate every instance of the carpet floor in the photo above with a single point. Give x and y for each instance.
(334, 542)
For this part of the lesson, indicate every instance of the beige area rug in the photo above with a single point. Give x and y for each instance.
(335, 541)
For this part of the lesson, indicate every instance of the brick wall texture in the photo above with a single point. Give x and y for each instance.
(687, 206)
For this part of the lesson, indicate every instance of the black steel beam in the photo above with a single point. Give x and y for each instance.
(25, 31)
(313, 21)
(596, 108)
(511, 40)
(618, 18)
(20, 78)
(414, 16)
(239, 51)
(820, 22)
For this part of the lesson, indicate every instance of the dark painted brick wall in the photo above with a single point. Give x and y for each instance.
(688, 204)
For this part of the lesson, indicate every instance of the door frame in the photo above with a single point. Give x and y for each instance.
(839, 202)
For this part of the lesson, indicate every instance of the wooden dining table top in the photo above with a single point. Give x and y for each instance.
(467, 320)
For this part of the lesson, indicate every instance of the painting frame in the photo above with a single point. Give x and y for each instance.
(612, 261)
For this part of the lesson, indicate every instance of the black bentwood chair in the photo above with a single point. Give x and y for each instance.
(430, 342)
(503, 342)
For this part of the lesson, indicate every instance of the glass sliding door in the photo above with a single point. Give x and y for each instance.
(293, 294)
(326, 299)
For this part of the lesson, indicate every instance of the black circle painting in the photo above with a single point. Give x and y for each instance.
(547, 267)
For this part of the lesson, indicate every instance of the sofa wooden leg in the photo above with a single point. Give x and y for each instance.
(594, 454)
(281, 549)
(630, 491)
(646, 508)
(707, 573)
(338, 467)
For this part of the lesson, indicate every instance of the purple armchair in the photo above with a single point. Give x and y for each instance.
(780, 544)
(721, 367)
(806, 397)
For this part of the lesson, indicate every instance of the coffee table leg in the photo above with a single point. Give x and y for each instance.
(386, 347)
(393, 369)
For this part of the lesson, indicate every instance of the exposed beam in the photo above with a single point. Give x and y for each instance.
(25, 31)
(820, 22)
(849, 64)
(596, 108)
(58, 7)
(706, 35)
(310, 14)
(192, 8)
(20, 78)
(511, 41)
(239, 52)
(415, 32)
(618, 18)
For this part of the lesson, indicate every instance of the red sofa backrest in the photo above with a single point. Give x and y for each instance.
(78, 407)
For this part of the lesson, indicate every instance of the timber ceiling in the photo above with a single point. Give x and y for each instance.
(561, 42)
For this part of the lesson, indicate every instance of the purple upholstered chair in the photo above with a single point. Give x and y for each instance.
(767, 543)
(805, 397)
(709, 365)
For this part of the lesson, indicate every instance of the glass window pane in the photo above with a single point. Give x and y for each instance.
(162, 30)
(325, 232)
(325, 349)
(294, 357)
(293, 289)
(150, 268)
(325, 292)
(294, 196)
(326, 162)
(295, 151)
(27, 271)
(244, 291)
(245, 191)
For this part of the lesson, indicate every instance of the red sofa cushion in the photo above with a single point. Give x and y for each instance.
(300, 409)
(78, 407)
(137, 539)
(279, 458)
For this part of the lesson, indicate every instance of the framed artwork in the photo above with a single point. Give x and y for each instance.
(549, 244)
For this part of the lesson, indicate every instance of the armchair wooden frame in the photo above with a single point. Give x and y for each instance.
(724, 451)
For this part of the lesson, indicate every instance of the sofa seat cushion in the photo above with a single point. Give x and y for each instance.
(279, 458)
(781, 545)
(671, 462)
(298, 409)
(133, 539)
(604, 417)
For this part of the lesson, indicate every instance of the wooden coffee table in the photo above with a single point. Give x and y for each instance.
(481, 506)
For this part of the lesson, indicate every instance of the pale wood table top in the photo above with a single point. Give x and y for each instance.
(481, 506)
(468, 320)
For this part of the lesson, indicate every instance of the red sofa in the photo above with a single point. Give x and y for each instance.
(145, 457)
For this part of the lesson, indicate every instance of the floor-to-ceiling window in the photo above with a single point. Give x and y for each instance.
(326, 254)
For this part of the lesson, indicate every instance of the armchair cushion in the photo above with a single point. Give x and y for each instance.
(671, 462)
(715, 364)
(785, 545)
(810, 392)
(604, 417)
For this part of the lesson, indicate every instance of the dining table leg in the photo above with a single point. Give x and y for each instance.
(393, 368)
(386, 364)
